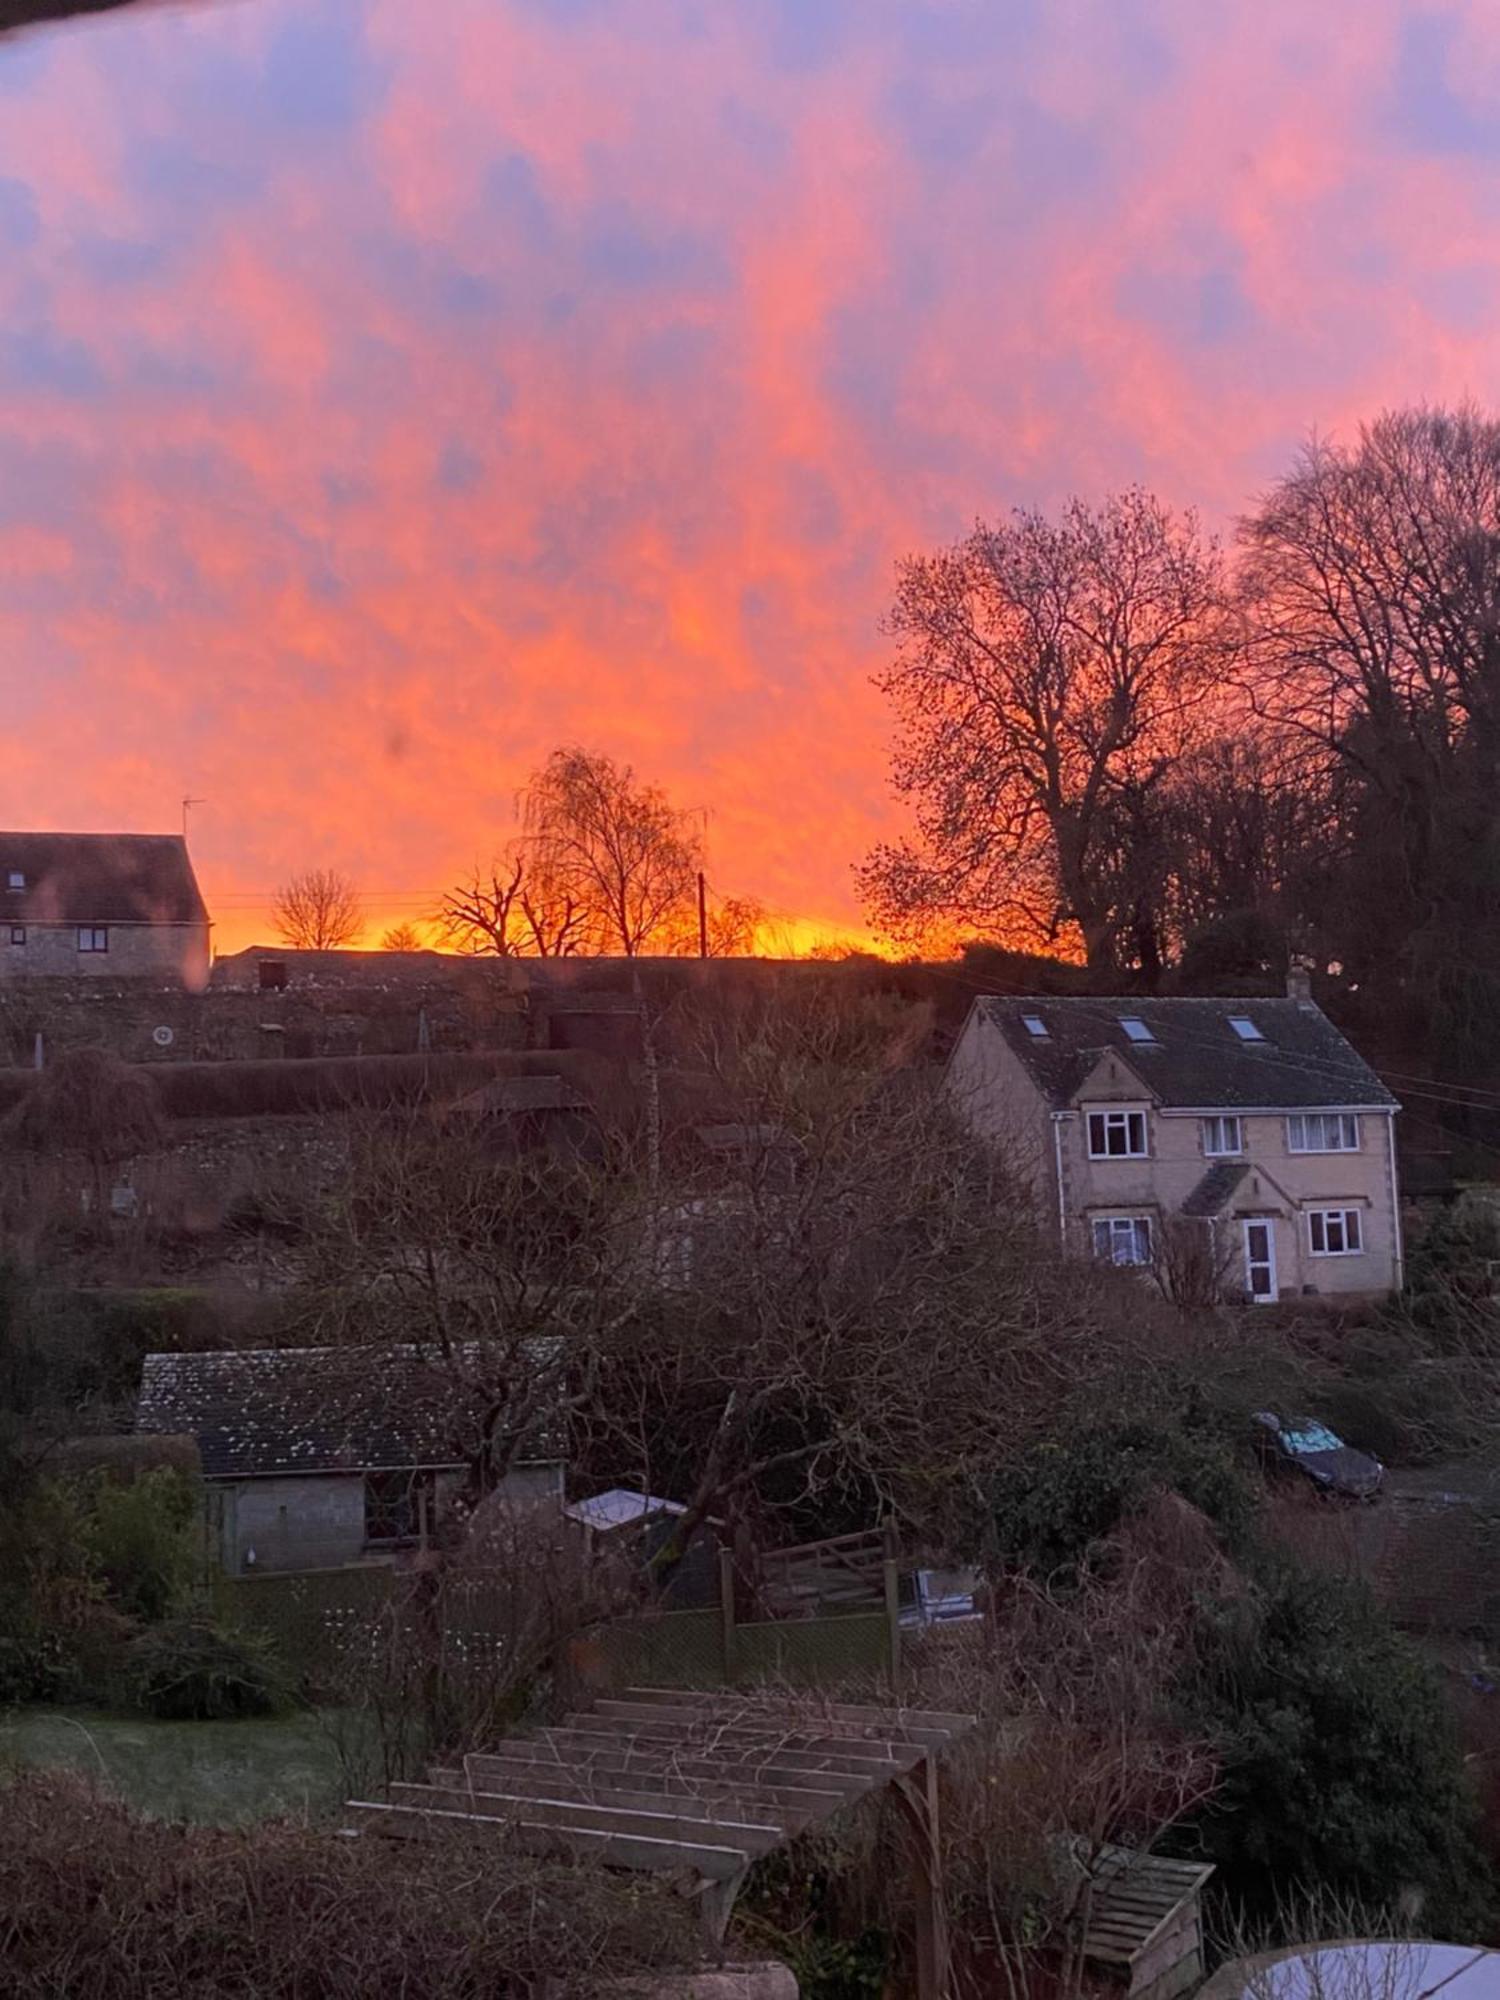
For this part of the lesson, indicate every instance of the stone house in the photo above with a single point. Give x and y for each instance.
(102, 906)
(1245, 1136)
(318, 1457)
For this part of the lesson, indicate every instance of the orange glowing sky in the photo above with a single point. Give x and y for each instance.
(391, 392)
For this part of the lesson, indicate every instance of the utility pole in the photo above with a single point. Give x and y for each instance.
(702, 916)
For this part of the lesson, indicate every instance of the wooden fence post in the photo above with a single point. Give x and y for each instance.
(726, 1610)
(893, 1619)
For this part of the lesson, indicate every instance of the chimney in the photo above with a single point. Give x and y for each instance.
(1299, 979)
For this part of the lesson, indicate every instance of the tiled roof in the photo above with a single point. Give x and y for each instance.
(98, 878)
(1194, 1060)
(1217, 1185)
(317, 1409)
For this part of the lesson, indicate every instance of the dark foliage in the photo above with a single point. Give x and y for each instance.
(193, 1670)
(1052, 1504)
(1341, 1764)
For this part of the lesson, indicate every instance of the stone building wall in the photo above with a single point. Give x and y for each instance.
(174, 952)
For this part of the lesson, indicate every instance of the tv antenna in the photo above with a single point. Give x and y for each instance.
(187, 805)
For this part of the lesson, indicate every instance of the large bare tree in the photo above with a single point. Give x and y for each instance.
(1048, 676)
(617, 846)
(1372, 589)
(318, 910)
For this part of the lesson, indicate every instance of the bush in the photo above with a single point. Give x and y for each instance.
(100, 1904)
(146, 1540)
(193, 1670)
(1057, 1500)
(1341, 1764)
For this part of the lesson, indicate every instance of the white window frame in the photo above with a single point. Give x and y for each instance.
(1119, 1121)
(1213, 1129)
(1309, 1132)
(1107, 1233)
(1347, 1223)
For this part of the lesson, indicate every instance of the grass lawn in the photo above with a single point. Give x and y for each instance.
(222, 1773)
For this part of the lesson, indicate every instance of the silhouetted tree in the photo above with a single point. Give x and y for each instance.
(617, 847)
(318, 910)
(514, 909)
(1372, 592)
(1049, 675)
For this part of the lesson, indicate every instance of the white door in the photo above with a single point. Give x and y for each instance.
(1260, 1263)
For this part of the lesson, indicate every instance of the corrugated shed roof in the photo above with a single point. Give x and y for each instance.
(1194, 1059)
(258, 1411)
(98, 878)
(620, 1507)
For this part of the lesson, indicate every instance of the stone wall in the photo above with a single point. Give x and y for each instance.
(142, 1020)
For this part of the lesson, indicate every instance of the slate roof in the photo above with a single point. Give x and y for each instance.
(99, 878)
(260, 1411)
(1196, 1061)
(1217, 1185)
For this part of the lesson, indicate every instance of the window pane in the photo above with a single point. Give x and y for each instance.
(1315, 1233)
(1334, 1225)
(1352, 1227)
(1096, 1132)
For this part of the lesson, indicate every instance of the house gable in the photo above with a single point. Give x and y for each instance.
(1112, 1080)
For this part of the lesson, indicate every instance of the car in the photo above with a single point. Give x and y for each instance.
(1308, 1448)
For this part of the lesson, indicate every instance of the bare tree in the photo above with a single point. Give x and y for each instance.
(318, 910)
(515, 909)
(850, 1313)
(1048, 676)
(1372, 586)
(616, 846)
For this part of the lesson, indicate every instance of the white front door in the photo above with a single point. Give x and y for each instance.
(1260, 1263)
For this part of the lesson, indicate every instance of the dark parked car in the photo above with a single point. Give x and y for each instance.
(1303, 1445)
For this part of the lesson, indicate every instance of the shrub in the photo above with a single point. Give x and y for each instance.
(100, 1904)
(146, 1540)
(1341, 1764)
(1054, 1502)
(193, 1670)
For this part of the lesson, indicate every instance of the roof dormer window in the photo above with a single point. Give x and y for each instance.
(1136, 1029)
(1245, 1028)
(1035, 1026)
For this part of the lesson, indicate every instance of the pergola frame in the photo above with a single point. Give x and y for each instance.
(697, 1786)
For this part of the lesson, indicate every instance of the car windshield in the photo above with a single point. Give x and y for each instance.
(1307, 1436)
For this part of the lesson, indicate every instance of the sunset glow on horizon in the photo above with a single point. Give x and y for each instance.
(390, 394)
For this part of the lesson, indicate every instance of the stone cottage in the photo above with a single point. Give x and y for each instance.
(103, 906)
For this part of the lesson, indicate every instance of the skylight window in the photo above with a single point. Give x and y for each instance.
(1035, 1025)
(17, 879)
(1136, 1029)
(1245, 1028)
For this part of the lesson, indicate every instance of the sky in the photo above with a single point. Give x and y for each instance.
(390, 393)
